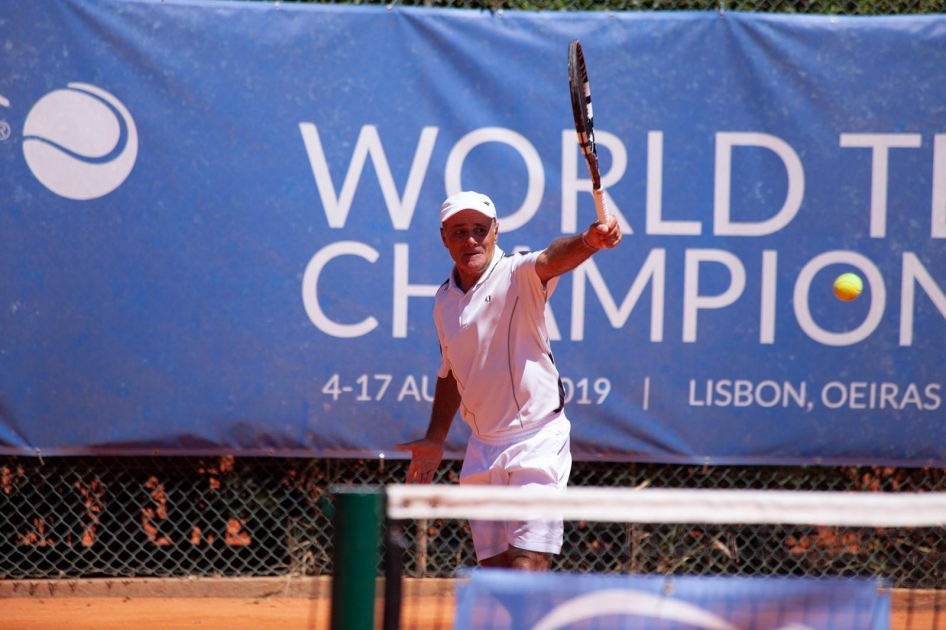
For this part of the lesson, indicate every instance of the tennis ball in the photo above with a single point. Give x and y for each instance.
(848, 286)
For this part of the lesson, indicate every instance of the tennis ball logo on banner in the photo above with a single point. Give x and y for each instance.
(618, 604)
(80, 142)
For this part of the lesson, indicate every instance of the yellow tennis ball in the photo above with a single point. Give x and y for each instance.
(848, 286)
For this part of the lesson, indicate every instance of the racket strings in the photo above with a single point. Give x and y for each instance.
(582, 109)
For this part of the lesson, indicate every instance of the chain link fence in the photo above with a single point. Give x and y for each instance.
(179, 517)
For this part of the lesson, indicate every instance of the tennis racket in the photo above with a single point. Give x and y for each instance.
(584, 122)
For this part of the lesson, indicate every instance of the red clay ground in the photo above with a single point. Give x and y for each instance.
(285, 609)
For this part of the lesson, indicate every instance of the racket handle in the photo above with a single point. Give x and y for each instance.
(601, 206)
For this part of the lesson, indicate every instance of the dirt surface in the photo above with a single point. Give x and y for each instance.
(205, 613)
(432, 610)
(154, 613)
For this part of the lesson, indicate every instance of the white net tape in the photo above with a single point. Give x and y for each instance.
(631, 505)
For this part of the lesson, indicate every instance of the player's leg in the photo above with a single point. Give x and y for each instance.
(526, 560)
(522, 559)
(499, 561)
(480, 469)
(543, 461)
(526, 546)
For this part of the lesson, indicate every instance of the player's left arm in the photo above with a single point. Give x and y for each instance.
(566, 253)
(427, 452)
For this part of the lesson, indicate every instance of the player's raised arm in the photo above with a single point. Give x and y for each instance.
(566, 253)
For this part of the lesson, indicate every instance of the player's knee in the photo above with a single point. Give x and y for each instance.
(526, 560)
(500, 561)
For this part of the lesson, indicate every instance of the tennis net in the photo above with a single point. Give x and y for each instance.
(663, 541)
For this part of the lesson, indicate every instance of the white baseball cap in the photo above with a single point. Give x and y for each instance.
(467, 200)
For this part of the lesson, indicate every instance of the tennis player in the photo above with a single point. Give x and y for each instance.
(497, 369)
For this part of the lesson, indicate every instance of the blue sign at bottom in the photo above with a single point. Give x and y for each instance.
(498, 599)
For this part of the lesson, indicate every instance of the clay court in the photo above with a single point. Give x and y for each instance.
(210, 604)
(260, 604)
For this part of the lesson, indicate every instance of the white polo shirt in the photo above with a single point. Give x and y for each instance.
(494, 340)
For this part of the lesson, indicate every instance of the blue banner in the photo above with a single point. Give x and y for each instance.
(497, 599)
(219, 226)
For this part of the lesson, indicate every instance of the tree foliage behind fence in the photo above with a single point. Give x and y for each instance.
(811, 7)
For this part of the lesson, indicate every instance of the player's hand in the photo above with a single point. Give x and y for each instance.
(604, 235)
(426, 455)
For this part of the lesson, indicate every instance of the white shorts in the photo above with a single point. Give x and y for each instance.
(543, 460)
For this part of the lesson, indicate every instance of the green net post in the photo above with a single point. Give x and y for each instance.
(355, 561)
